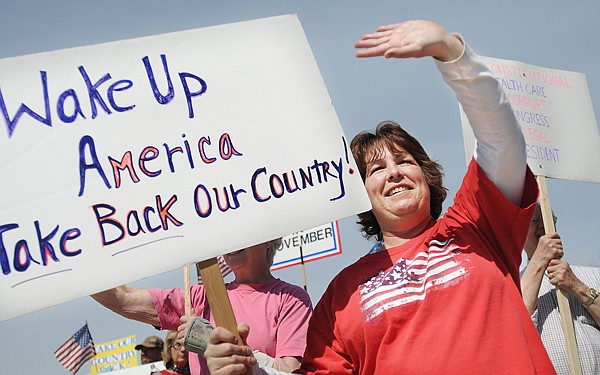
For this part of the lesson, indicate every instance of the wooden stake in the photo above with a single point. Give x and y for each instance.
(216, 293)
(303, 269)
(561, 296)
(186, 286)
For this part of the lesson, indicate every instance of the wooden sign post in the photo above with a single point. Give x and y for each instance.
(186, 288)
(561, 296)
(216, 293)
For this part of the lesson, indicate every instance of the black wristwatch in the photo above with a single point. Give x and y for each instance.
(591, 298)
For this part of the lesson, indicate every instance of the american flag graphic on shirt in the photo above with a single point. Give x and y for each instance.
(408, 280)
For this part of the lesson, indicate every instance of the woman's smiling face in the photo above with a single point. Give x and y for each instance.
(396, 187)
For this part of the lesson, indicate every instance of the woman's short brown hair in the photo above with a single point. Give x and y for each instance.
(366, 146)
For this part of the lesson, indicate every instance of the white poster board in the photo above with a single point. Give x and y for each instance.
(127, 159)
(144, 369)
(556, 115)
(316, 243)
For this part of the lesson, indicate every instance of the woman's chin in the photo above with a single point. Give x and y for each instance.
(234, 253)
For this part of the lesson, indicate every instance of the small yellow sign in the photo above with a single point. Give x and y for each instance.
(114, 355)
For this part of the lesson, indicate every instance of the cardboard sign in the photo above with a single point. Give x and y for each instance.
(315, 243)
(556, 115)
(114, 355)
(127, 159)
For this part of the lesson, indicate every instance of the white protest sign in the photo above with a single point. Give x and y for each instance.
(556, 115)
(145, 369)
(316, 243)
(127, 159)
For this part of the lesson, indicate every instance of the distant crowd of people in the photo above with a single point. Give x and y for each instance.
(443, 294)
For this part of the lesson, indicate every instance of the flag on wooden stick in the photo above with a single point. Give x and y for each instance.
(76, 350)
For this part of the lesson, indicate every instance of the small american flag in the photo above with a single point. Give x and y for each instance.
(76, 350)
(225, 270)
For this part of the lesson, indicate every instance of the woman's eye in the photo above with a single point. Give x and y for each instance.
(375, 169)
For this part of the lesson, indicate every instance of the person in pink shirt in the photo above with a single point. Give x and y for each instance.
(278, 311)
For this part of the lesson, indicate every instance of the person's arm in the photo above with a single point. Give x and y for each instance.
(549, 247)
(500, 145)
(288, 364)
(531, 280)
(500, 149)
(561, 275)
(129, 302)
(594, 309)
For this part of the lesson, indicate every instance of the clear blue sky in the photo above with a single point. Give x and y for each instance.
(555, 34)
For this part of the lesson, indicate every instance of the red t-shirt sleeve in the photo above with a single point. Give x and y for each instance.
(500, 222)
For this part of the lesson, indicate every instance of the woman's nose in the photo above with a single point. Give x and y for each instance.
(394, 172)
